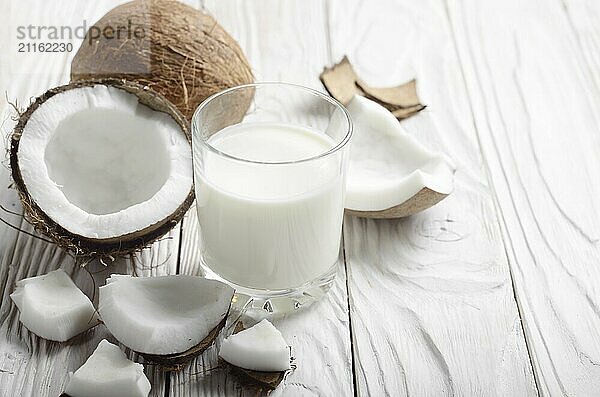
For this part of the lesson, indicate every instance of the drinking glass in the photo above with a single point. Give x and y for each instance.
(270, 163)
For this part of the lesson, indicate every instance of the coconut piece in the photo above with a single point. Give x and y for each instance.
(339, 80)
(404, 113)
(103, 167)
(108, 372)
(175, 49)
(258, 379)
(404, 95)
(342, 83)
(168, 319)
(52, 307)
(391, 174)
(262, 381)
(258, 348)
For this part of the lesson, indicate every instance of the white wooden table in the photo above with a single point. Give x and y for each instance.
(493, 292)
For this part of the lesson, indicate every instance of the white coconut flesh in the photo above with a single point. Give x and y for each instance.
(388, 166)
(101, 164)
(52, 307)
(258, 348)
(162, 315)
(108, 372)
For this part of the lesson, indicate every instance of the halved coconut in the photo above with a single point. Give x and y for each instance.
(167, 319)
(52, 307)
(103, 167)
(391, 174)
(108, 372)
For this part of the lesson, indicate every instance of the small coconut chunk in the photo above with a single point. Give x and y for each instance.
(108, 372)
(52, 307)
(163, 315)
(258, 348)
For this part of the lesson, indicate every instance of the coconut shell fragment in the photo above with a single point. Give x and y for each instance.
(174, 362)
(403, 113)
(342, 83)
(259, 380)
(404, 95)
(175, 49)
(424, 199)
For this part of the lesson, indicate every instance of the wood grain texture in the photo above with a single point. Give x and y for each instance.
(432, 305)
(533, 90)
(278, 45)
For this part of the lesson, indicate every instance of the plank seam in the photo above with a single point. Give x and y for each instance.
(167, 384)
(350, 327)
(179, 246)
(326, 12)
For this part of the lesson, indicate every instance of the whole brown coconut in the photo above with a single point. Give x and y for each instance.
(177, 50)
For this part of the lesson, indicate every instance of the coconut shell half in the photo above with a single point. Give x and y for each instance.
(88, 247)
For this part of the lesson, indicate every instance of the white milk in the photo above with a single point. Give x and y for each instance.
(273, 226)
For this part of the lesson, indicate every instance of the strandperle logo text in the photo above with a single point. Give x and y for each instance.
(64, 33)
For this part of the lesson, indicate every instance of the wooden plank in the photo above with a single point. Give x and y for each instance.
(533, 89)
(28, 364)
(432, 305)
(583, 17)
(280, 47)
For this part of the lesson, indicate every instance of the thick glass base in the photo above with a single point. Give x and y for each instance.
(259, 304)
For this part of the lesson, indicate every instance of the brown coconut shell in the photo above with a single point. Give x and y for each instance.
(174, 362)
(422, 200)
(85, 247)
(175, 49)
(342, 83)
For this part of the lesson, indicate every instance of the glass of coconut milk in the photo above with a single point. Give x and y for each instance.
(269, 164)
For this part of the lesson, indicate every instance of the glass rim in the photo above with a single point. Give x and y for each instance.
(308, 90)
